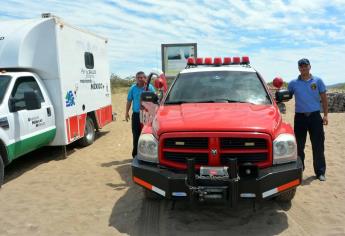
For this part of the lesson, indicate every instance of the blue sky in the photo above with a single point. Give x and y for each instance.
(273, 33)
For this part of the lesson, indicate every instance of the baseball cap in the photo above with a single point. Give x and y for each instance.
(303, 61)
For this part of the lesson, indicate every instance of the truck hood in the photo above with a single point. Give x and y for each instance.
(221, 117)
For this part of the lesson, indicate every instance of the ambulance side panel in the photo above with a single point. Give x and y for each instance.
(84, 82)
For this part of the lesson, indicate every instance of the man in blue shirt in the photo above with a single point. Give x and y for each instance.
(134, 97)
(308, 91)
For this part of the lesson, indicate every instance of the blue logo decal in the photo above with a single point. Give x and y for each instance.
(69, 99)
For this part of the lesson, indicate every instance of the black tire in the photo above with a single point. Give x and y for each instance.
(152, 195)
(89, 133)
(286, 196)
(2, 171)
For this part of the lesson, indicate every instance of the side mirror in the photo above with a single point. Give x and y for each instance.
(32, 101)
(283, 96)
(12, 104)
(148, 107)
(149, 97)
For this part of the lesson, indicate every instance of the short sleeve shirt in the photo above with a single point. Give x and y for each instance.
(307, 93)
(134, 96)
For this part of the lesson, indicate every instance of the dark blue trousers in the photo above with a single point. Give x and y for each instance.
(136, 130)
(312, 123)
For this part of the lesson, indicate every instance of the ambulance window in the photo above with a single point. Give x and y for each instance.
(4, 82)
(22, 85)
(89, 63)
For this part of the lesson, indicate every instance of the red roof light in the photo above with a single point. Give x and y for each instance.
(236, 60)
(208, 60)
(191, 61)
(245, 60)
(217, 61)
(227, 61)
(200, 61)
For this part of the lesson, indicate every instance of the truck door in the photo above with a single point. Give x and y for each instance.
(33, 127)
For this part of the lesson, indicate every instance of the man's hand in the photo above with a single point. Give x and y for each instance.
(127, 116)
(325, 120)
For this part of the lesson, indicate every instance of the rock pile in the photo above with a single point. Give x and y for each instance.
(336, 102)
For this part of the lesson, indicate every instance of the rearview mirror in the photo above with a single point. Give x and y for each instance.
(148, 107)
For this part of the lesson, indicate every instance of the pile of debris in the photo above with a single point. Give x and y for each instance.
(336, 102)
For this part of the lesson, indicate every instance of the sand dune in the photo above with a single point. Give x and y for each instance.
(91, 193)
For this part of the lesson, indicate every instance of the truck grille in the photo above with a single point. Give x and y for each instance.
(200, 158)
(243, 157)
(246, 143)
(198, 143)
(215, 149)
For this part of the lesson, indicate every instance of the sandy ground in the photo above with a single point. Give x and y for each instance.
(91, 193)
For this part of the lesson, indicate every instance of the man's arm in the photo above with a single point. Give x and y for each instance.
(324, 102)
(128, 106)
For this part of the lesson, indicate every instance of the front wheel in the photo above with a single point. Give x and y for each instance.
(89, 133)
(2, 171)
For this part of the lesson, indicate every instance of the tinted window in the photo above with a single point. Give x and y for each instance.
(218, 86)
(4, 82)
(89, 63)
(25, 84)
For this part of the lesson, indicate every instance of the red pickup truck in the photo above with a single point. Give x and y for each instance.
(217, 134)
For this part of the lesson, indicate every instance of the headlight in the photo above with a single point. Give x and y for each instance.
(148, 148)
(284, 149)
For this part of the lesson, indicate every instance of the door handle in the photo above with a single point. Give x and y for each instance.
(49, 112)
(4, 123)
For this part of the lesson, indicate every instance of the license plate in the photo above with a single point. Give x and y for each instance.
(221, 171)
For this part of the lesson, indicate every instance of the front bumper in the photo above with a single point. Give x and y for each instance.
(266, 183)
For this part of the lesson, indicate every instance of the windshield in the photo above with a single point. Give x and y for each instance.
(4, 81)
(218, 86)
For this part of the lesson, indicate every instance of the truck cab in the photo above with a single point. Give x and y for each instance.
(27, 115)
(217, 134)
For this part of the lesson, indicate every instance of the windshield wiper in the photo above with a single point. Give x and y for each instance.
(175, 102)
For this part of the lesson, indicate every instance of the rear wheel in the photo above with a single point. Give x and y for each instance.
(2, 171)
(286, 196)
(89, 133)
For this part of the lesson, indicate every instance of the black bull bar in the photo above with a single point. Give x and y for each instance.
(243, 181)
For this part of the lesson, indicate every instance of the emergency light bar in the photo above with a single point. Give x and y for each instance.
(218, 61)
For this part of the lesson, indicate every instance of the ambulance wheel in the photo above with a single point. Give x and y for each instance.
(2, 171)
(286, 196)
(151, 195)
(89, 133)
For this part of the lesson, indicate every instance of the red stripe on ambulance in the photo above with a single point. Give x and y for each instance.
(104, 116)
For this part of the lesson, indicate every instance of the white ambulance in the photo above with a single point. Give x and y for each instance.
(54, 86)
